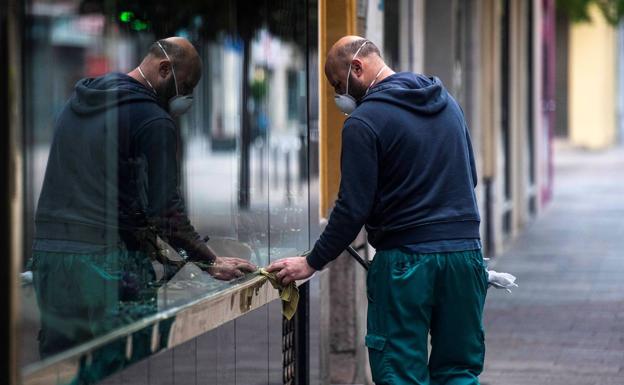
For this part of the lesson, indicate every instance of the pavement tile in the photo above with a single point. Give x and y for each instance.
(564, 325)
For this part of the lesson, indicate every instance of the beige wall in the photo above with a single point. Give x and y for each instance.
(342, 321)
(592, 82)
(337, 18)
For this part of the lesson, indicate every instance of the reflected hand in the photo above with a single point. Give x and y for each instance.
(228, 268)
(291, 269)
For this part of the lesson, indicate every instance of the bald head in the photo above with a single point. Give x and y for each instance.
(364, 67)
(166, 58)
(342, 52)
(183, 56)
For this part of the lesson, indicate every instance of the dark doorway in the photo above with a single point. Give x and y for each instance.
(505, 115)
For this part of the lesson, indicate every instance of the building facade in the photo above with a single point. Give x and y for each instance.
(259, 160)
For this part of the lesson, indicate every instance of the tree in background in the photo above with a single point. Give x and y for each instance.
(578, 10)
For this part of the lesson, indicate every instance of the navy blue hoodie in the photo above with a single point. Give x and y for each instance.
(113, 156)
(407, 170)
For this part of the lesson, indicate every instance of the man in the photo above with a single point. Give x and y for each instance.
(111, 187)
(408, 174)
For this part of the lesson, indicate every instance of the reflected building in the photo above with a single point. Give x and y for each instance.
(242, 156)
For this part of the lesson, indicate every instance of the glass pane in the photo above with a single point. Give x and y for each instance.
(286, 56)
(109, 166)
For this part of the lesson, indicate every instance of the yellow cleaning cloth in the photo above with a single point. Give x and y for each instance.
(289, 293)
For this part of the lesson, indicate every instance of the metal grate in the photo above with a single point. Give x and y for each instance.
(295, 337)
(289, 351)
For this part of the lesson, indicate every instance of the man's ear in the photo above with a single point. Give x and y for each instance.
(356, 67)
(164, 68)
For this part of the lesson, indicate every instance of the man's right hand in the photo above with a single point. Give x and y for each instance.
(228, 268)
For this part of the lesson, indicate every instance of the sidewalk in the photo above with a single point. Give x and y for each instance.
(564, 325)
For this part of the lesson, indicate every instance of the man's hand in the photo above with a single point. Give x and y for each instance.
(227, 268)
(291, 269)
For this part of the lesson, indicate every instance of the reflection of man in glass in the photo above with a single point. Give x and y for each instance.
(111, 186)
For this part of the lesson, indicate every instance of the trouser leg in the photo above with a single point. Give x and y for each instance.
(400, 294)
(457, 338)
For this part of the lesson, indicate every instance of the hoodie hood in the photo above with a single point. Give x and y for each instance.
(414, 92)
(92, 95)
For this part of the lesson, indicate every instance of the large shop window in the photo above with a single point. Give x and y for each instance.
(107, 168)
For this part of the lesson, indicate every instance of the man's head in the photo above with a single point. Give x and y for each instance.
(169, 63)
(365, 66)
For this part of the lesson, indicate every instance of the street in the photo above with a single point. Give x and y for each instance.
(565, 323)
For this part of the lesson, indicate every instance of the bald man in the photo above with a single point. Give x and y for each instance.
(111, 186)
(408, 175)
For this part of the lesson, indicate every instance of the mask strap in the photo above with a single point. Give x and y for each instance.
(374, 80)
(144, 78)
(349, 73)
(172, 67)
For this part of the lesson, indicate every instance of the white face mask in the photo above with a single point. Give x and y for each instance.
(178, 104)
(345, 102)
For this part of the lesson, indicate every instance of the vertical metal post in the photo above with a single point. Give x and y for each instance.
(5, 292)
(11, 191)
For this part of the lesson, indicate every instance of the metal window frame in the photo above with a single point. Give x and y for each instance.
(11, 193)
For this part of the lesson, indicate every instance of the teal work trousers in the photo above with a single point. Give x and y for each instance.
(84, 296)
(413, 295)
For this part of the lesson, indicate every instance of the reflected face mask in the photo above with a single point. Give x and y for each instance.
(179, 104)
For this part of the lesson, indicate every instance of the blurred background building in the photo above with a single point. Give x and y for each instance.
(589, 80)
(260, 159)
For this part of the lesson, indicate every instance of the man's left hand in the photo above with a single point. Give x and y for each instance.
(291, 269)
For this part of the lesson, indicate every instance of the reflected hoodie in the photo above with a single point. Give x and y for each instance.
(407, 170)
(113, 160)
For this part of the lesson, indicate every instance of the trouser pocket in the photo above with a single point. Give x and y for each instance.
(376, 345)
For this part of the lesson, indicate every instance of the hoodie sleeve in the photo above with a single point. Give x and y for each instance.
(356, 196)
(157, 142)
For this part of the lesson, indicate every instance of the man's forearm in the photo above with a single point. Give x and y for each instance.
(337, 236)
(181, 234)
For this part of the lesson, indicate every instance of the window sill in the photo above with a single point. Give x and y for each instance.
(189, 321)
